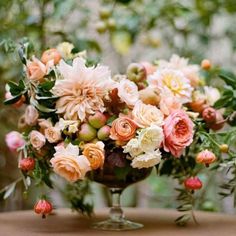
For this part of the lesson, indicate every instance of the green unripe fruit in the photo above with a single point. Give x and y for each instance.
(101, 27)
(104, 133)
(104, 13)
(87, 132)
(111, 24)
(97, 120)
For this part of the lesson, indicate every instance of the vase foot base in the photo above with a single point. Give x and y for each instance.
(116, 226)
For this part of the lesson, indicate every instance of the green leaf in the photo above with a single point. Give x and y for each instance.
(9, 190)
(48, 85)
(228, 77)
(12, 100)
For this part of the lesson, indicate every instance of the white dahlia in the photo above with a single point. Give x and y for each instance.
(82, 89)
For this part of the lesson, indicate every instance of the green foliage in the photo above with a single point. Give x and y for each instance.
(77, 194)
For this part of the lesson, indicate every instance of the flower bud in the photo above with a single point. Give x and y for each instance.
(43, 207)
(51, 54)
(87, 132)
(97, 120)
(193, 183)
(224, 148)
(198, 106)
(136, 72)
(205, 64)
(104, 133)
(205, 157)
(27, 164)
(209, 115)
(219, 122)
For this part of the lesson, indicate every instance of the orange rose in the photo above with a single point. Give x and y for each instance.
(122, 129)
(95, 154)
(36, 70)
(51, 54)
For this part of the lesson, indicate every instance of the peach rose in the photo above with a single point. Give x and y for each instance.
(122, 129)
(44, 124)
(128, 92)
(14, 140)
(31, 115)
(178, 132)
(37, 139)
(52, 134)
(146, 115)
(95, 154)
(51, 55)
(67, 163)
(36, 70)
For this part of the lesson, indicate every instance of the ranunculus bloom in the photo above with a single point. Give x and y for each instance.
(128, 92)
(122, 129)
(37, 139)
(31, 115)
(147, 160)
(14, 140)
(69, 164)
(36, 70)
(146, 115)
(52, 134)
(178, 132)
(95, 154)
(205, 157)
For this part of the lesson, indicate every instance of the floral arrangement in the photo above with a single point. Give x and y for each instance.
(164, 114)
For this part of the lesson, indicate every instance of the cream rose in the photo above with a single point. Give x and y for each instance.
(128, 92)
(52, 134)
(133, 148)
(212, 95)
(31, 115)
(65, 49)
(95, 154)
(150, 138)
(146, 115)
(67, 163)
(44, 124)
(147, 160)
(37, 139)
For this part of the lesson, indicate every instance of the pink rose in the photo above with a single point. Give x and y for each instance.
(14, 140)
(31, 115)
(178, 132)
(168, 104)
(37, 139)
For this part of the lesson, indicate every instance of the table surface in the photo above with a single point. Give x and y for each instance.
(156, 222)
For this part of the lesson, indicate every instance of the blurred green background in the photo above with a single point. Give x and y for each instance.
(116, 33)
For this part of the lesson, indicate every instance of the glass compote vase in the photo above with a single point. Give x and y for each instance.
(117, 174)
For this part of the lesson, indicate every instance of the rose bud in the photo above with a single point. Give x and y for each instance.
(193, 183)
(27, 164)
(219, 122)
(209, 115)
(43, 207)
(198, 106)
(87, 132)
(97, 120)
(51, 54)
(224, 148)
(104, 133)
(205, 157)
(136, 72)
(19, 103)
(205, 64)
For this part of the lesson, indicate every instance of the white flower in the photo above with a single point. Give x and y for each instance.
(172, 81)
(150, 138)
(147, 160)
(133, 148)
(72, 125)
(128, 92)
(212, 95)
(191, 72)
(145, 115)
(65, 49)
